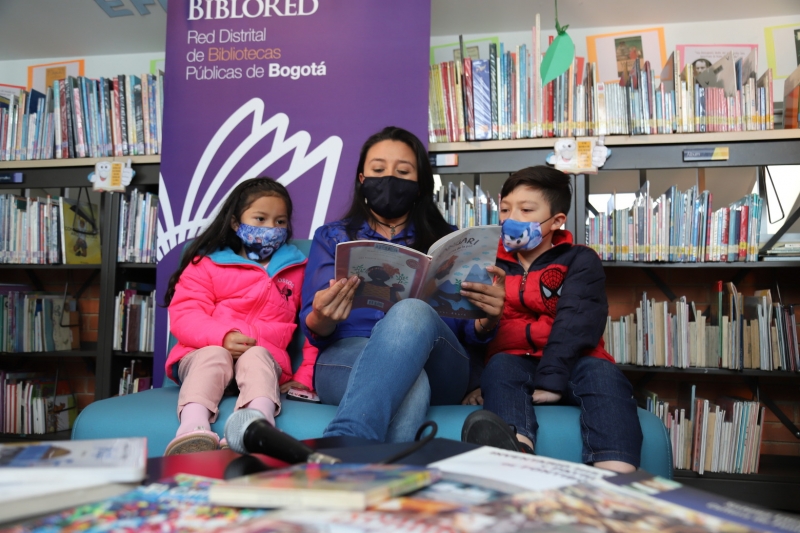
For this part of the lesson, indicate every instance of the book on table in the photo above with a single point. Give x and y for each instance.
(390, 272)
(109, 460)
(339, 486)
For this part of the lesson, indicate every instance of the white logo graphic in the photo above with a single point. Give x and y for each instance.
(173, 232)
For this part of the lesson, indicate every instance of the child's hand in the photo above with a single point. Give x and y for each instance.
(489, 298)
(292, 385)
(473, 398)
(545, 396)
(237, 343)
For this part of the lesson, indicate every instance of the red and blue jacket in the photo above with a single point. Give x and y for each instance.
(555, 310)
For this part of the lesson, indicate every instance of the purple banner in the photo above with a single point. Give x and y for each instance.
(283, 88)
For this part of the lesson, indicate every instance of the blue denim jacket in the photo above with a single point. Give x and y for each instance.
(320, 270)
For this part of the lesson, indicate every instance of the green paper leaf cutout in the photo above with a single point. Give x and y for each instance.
(558, 58)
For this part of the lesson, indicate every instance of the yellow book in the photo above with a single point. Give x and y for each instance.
(80, 232)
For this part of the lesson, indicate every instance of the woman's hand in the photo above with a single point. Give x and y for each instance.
(332, 305)
(545, 396)
(292, 385)
(237, 343)
(489, 298)
(473, 398)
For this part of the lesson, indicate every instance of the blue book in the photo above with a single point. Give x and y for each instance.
(482, 99)
(493, 87)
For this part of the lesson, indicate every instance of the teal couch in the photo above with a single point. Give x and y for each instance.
(152, 414)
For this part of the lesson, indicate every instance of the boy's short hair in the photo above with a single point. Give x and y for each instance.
(553, 184)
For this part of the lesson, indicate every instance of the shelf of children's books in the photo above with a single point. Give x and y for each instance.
(151, 266)
(78, 162)
(25, 437)
(709, 264)
(25, 266)
(622, 140)
(143, 355)
(701, 370)
(59, 353)
(784, 468)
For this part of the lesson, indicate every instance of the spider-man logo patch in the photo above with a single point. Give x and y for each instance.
(550, 283)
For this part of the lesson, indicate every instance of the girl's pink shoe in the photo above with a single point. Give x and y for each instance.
(199, 440)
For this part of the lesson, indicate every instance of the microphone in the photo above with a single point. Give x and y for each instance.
(248, 431)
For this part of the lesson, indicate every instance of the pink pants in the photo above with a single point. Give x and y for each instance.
(206, 372)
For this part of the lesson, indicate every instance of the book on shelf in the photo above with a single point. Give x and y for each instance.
(740, 333)
(729, 96)
(80, 232)
(135, 378)
(322, 486)
(678, 227)
(390, 272)
(32, 321)
(138, 217)
(30, 230)
(83, 117)
(34, 404)
(134, 318)
(723, 435)
(791, 100)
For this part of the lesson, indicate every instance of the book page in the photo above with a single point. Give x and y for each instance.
(389, 272)
(460, 256)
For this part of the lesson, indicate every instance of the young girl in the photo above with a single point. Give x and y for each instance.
(232, 307)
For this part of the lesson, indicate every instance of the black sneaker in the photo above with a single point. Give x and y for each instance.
(487, 429)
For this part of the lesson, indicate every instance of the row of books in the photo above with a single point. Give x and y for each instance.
(32, 403)
(721, 436)
(134, 318)
(134, 378)
(463, 207)
(742, 332)
(138, 220)
(503, 97)
(679, 227)
(32, 321)
(48, 230)
(84, 117)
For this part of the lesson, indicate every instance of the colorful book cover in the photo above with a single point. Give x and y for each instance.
(80, 233)
(338, 486)
(390, 272)
(170, 505)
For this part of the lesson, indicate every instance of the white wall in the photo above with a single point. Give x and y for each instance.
(16, 72)
(750, 31)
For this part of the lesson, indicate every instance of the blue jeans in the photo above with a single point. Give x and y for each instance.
(384, 384)
(609, 420)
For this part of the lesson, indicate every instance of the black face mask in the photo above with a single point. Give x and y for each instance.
(390, 197)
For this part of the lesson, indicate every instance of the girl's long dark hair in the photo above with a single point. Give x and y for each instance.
(220, 234)
(429, 225)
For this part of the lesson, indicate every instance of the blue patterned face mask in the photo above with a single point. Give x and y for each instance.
(261, 242)
(521, 236)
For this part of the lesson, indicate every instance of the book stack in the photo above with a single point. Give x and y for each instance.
(33, 321)
(677, 227)
(464, 208)
(134, 379)
(84, 117)
(138, 219)
(742, 332)
(134, 318)
(30, 228)
(503, 97)
(35, 404)
(721, 436)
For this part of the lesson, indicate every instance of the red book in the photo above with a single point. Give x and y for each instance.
(709, 219)
(117, 126)
(469, 119)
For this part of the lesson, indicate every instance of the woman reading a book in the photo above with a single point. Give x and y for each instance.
(383, 370)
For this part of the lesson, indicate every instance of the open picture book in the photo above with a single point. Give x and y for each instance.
(390, 272)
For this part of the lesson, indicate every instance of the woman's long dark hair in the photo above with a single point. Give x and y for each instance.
(220, 234)
(429, 225)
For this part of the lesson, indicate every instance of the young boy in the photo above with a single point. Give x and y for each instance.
(549, 348)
